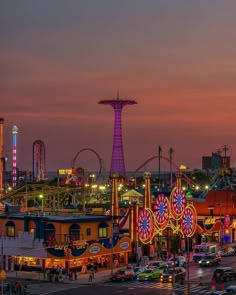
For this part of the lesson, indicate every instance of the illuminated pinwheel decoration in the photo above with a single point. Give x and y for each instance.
(189, 221)
(161, 211)
(178, 202)
(145, 225)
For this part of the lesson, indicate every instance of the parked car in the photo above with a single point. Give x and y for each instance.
(156, 264)
(225, 274)
(173, 274)
(123, 275)
(150, 274)
(234, 247)
(227, 252)
(209, 260)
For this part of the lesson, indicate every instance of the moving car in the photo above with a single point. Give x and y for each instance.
(173, 274)
(137, 270)
(225, 274)
(203, 249)
(209, 260)
(231, 289)
(150, 274)
(123, 275)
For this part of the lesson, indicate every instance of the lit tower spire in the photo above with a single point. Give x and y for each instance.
(1, 156)
(117, 161)
(14, 142)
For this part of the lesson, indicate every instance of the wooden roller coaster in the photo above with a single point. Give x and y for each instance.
(53, 197)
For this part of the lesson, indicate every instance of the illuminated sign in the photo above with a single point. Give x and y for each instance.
(94, 249)
(124, 245)
(209, 220)
(64, 171)
(227, 220)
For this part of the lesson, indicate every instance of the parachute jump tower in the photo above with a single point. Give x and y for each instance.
(117, 161)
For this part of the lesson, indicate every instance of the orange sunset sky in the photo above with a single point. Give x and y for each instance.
(176, 58)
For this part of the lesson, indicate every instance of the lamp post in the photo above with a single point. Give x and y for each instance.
(2, 274)
(111, 260)
(41, 197)
(189, 200)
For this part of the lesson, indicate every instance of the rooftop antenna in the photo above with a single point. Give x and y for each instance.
(117, 94)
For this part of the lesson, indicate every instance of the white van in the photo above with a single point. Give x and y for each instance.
(203, 249)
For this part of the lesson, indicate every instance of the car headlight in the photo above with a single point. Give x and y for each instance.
(208, 261)
(199, 261)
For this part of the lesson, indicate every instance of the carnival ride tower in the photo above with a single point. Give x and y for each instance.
(14, 155)
(117, 161)
(39, 161)
(1, 156)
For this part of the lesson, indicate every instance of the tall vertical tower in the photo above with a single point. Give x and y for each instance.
(117, 161)
(1, 156)
(39, 160)
(14, 146)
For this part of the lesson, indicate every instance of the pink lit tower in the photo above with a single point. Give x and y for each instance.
(117, 161)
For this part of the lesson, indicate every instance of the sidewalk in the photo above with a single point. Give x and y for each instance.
(38, 285)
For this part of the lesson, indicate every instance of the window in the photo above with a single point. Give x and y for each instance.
(88, 231)
(211, 211)
(74, 231)
(103, 230)
(49, 232)
(10, 229)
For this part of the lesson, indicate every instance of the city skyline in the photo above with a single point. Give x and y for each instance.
(177, 59)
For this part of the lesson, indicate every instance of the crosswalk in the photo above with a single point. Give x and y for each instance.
(194, 288)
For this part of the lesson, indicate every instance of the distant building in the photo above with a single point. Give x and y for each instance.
(215, 161)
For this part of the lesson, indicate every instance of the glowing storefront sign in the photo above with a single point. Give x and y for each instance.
(227, 220)
(64, 171)
(124, 245)
(94, 249)
(209, 220)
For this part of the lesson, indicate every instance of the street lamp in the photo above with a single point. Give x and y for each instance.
(189, 200)
(2, 273)
(41, 197)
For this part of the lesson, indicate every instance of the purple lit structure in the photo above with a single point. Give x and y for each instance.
(117, 161)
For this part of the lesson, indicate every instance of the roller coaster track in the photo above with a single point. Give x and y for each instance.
(54, 197)
(187, 179)
(101, 166)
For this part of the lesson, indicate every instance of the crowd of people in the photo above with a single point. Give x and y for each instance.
(15, 289)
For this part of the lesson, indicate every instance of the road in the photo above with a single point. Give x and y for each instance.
(117, 290)
(103, 286)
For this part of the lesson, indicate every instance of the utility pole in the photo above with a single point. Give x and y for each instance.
(2, 274)
(111, 260)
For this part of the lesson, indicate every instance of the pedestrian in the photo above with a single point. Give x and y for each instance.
(71, 275)
(75, 274)
(18, 288)
(24, 290)
(90, 275)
